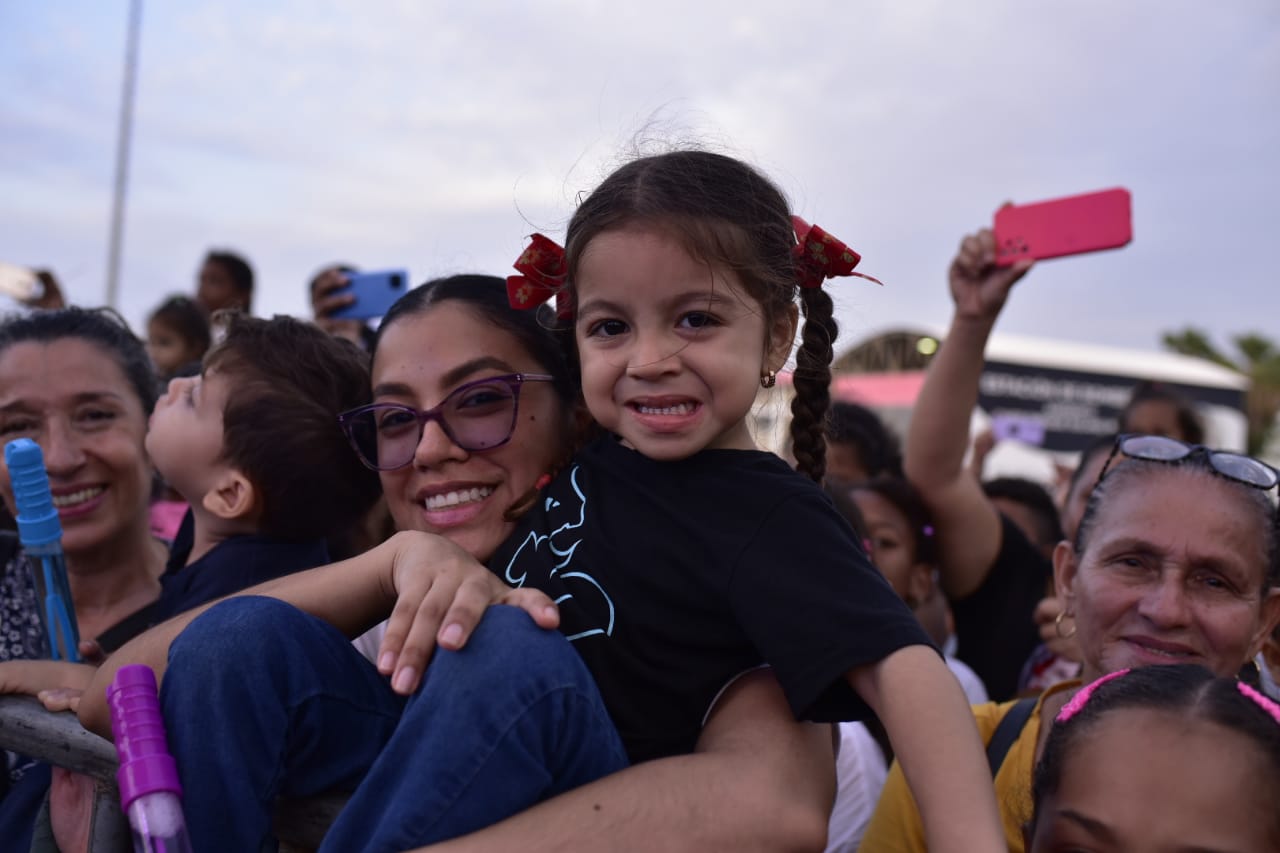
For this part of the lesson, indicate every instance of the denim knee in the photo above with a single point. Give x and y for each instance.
(507, 663)
(235, 634)
(508, 646)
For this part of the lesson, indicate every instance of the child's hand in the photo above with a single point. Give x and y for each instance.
(35, 676)
(61, 699)
(441, 593)
(979, 287)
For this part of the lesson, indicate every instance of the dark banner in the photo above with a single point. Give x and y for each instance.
(1065, 410)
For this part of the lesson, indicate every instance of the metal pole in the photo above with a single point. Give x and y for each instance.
(122, 153)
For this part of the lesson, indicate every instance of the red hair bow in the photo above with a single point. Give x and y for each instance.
(819, 256)
(542, 275)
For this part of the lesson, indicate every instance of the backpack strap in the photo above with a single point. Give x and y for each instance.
(1007, 731)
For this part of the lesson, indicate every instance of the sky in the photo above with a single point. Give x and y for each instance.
(435, 136)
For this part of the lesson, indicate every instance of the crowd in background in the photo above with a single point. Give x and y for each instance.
(1041, 599)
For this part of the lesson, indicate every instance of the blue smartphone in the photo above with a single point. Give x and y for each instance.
(375, 293)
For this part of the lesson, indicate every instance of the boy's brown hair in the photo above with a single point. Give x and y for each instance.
(288, 382)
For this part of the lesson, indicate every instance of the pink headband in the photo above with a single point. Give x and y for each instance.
(1263, 702)
(1078, 701)
(1081, 698)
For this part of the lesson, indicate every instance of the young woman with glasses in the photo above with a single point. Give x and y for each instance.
(1176, 560)
(476, 403)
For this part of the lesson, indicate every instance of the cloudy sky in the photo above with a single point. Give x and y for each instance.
(435, 136)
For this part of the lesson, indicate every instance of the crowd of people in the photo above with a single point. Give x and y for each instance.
(576, 606)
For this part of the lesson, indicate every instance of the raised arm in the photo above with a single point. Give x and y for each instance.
(438, 592)
(758, 781)
(968, 527)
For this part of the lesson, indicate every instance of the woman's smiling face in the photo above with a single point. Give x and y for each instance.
(464, 495)
(73, 399)
(1173, 571)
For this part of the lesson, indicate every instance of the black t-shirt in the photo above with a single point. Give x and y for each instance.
(995, 626)
(675, 577)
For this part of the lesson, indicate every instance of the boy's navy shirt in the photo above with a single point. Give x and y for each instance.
(232, 565)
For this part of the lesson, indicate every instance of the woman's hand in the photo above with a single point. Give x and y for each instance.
(35, 677)
(326, 298)
(979, 287)
(441, 593)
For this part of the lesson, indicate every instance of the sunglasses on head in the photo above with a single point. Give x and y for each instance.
(1159, 448)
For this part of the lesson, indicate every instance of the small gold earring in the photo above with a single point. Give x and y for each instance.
(1057, 626)
(769, 379)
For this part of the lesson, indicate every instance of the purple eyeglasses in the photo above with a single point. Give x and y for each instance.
(477, 416)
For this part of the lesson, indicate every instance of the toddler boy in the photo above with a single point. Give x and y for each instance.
(253, 444)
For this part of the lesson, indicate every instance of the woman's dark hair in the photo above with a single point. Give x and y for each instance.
(486, 297)
(1033, 496)
(1185, 690)
(1188, 419)
(183, 316)
(878, 448)
(724, 213)
(1123, 469)
(1101, 444)
(906, 499)
(99, 326)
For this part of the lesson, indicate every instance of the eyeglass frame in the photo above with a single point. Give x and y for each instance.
(514, 381)
(1192, 450)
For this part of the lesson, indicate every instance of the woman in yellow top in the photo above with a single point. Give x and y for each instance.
(1175, 561)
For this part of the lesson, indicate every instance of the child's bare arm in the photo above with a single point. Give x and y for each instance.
(440, 584)
(32, 677)
(936, 741)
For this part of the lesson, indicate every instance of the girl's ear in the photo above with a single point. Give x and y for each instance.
(782, 337)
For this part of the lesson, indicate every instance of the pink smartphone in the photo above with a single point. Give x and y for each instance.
(1064, 226)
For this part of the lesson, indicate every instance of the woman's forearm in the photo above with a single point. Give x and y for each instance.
(759, 781)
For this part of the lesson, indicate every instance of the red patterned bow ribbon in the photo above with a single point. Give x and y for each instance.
(542, 275)
(819, 256)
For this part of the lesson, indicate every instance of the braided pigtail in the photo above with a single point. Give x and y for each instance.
(812, 382)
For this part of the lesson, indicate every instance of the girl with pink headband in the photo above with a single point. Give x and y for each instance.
(1160, 758)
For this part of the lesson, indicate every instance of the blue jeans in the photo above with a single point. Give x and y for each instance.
(21, 804)
(262, 700)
